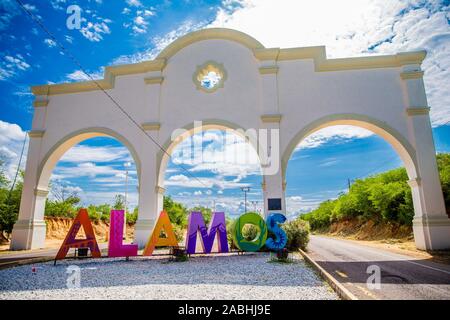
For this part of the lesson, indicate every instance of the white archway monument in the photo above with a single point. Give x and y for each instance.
(291, 92)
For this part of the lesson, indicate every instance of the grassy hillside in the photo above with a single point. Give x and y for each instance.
(385, 197)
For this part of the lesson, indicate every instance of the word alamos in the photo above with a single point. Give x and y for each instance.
(196, 225)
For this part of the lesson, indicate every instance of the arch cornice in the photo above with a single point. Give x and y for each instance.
(401, 145)
(210, 34)
(318, 54)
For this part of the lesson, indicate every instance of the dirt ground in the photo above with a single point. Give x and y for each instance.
(57, 229)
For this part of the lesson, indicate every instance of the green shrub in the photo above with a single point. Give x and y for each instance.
(249, 232)
(297, 232)
(179, 233)
(132, 217)
(105, 217)
(94, 216)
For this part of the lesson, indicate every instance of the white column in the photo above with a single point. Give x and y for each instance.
(150, 198)
(29, 230)
(273, 182)
(431, 224)
(269, 141)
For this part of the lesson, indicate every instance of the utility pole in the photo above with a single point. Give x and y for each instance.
(245, 189)
(254, 203)
(349, 184)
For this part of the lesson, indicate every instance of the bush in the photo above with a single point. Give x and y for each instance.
(179, 233)
(105, 217)
(132, 217)
(230, 228)
(94, 216)
(297, 232)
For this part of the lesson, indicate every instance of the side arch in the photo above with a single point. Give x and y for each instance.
(63, 145)
(400, 144)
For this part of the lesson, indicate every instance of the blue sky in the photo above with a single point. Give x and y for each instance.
(127, 31)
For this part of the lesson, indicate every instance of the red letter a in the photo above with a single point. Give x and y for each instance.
(82, 219)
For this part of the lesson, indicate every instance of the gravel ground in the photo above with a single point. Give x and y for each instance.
(203, 277)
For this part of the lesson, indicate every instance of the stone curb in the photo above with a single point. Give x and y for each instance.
(336, 285)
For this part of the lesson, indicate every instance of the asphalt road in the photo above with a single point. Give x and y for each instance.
(401, 277)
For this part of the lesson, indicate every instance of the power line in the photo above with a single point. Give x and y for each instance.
(18, 166)
(79, 65)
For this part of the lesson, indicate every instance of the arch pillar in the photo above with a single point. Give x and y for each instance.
(29, 230)
(431, 225)
(150, 194)
(269, 151)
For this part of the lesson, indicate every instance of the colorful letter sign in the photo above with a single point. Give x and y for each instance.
(155, 240)
(217, 228)
(196, 224)
(115, 246)
(280, 236)
(254, 244)
(82, 219)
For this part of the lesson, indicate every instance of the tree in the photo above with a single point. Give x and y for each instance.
(176, 211)
(119, 202)
(61, 192)
(443, 161)
(67, 208)
(9, 202)
(206, 212)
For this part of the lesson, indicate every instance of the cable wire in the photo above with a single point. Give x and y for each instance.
(79, 65)
(18, 167)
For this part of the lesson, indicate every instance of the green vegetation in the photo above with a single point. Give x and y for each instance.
(383, 197)
(9, 202)
(297, 232)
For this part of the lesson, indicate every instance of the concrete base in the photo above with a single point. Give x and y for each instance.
(28, 235)
(432, 233)
(142, 232)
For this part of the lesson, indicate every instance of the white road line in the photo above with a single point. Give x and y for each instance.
(391, 255)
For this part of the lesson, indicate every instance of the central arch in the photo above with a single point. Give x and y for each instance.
(188, 131)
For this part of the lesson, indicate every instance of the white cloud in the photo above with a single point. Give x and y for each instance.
(180, 180)
(11, 65)
(94, 31)
(140, 25)
(84, 153)
(219, 152)
(296, 205)
(352, 28)
(334, 134)
(68, 38)
(9, 10)
(79, 75)
(134, 3)
(58, 4)
(50, 43)
(159, 43)
(30, 7)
